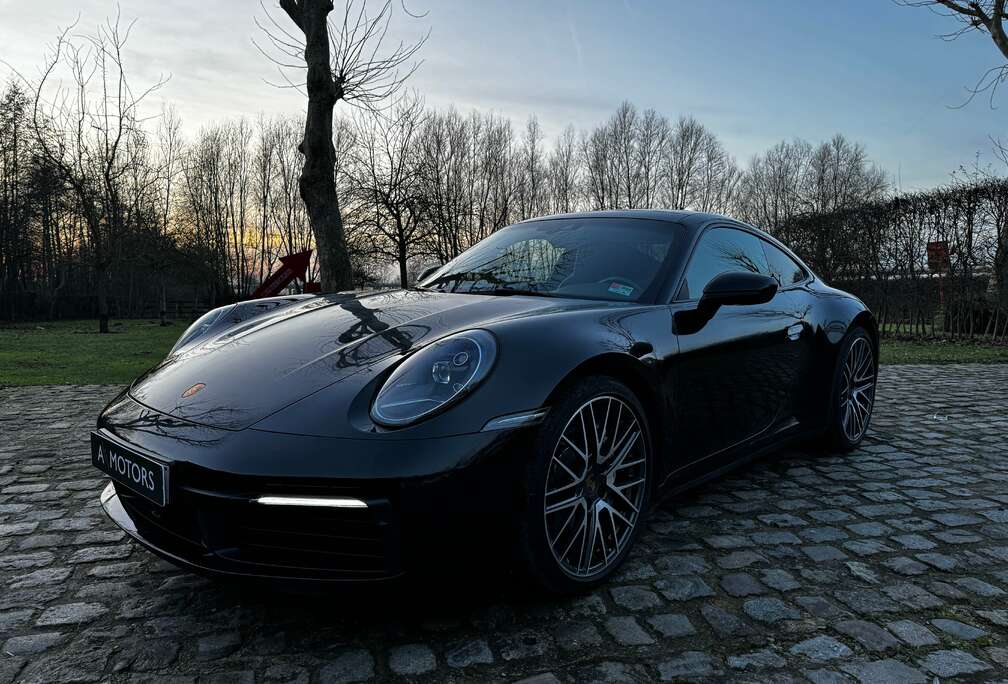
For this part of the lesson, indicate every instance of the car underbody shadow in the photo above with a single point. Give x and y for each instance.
(775, 460)
(449, 589)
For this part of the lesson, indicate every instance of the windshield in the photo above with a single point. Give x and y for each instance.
(618, 259)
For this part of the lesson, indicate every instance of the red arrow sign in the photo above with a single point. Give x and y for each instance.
(291, 266)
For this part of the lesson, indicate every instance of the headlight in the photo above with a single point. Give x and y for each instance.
(435, 377)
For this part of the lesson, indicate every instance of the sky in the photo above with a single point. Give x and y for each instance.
(754, 71)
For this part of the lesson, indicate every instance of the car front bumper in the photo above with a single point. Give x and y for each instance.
(261, 520)
(228, 546)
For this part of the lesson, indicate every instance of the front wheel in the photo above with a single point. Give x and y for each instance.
(853, 395)
(588, 484)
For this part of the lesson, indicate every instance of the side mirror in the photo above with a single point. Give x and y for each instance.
(427, 272)
(736, 288)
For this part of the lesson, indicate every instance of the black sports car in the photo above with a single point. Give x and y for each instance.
(551, 384)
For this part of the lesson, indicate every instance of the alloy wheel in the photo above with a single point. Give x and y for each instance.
(595, 486)
(857, 393)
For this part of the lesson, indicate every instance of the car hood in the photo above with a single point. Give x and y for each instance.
(243, 374)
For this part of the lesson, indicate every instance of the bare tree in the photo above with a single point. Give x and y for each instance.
(14, 187)
(82, 130)
(343, 63)
(291, 221)
(384, 170)
(530, 191)
(652, 134)
(444, 162)
(600, 186)
(770, 194)
(565, 173)
(839, 175)
(469, 179)
(683, 155)
(264, 170)
(169, 136)
(219, 201)
(717, 180)
(624, 143)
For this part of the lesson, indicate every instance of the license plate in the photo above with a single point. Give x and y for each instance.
(143, 475)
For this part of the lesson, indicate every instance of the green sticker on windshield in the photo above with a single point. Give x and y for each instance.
(621, 289)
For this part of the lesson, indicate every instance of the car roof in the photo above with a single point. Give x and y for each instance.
(691, 220)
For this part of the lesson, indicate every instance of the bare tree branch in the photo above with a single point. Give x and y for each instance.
(985, 16)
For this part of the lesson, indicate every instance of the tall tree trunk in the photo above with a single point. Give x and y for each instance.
(163, 309)
(317, 182)
(101, 277)
(403, 276)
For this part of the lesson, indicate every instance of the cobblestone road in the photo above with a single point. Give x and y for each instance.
(889, 564)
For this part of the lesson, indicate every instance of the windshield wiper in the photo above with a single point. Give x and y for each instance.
(507, 291)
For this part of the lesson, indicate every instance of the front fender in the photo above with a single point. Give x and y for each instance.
(216, 321)
(535, 355)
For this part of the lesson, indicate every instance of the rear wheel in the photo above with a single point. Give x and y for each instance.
(853, 395)
(588, 485)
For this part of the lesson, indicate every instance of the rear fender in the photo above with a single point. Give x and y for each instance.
(838, 314)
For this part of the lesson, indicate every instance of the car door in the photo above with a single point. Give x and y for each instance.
(735, 372)
(795, 297)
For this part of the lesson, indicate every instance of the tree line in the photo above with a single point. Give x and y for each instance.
(417, 186)
(106, 212)
(880, 251)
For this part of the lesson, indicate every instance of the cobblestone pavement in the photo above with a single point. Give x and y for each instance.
(888, 564)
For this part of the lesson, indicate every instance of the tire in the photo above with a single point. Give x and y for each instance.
(850, 415)
(569, 498)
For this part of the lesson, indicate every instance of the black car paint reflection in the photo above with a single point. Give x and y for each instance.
(286, 409)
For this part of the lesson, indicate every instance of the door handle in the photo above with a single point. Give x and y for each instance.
(795, 331)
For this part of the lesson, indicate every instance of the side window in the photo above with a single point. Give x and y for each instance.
(783, 267)
(721, 250)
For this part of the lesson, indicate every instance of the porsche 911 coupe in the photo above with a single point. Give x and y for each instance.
(540, 392)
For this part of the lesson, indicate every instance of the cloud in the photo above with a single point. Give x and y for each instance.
(574, 62)
(577, 44)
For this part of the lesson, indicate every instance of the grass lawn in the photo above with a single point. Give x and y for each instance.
(941, 351)
(72, 352)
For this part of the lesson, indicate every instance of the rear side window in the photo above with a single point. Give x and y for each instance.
(721, 250)
(782, 267)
